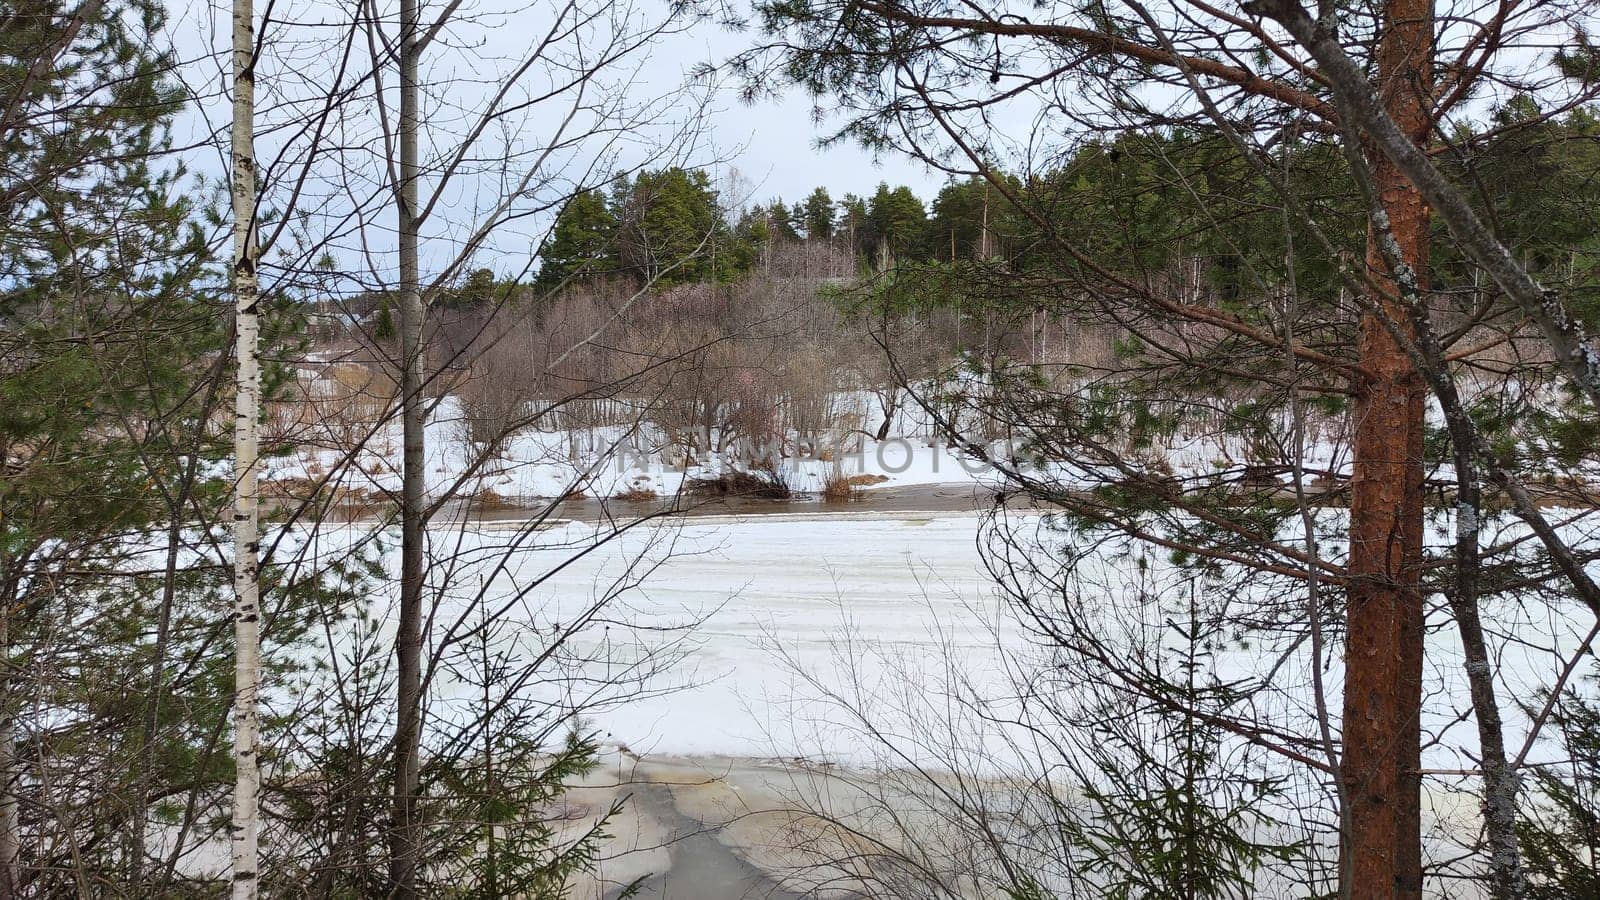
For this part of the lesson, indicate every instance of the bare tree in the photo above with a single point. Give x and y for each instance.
(405, 837)
(564, 74)
(247, 425)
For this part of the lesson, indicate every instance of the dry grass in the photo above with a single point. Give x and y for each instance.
(339, 408)
(284, 495)
(841, 487)
(489, 499)
(287, 488)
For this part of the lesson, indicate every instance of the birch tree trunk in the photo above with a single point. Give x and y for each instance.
(247, 418)
(404, 838)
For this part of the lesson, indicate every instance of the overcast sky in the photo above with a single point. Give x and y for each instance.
(776, 147)
(756, 152)
(772, 144)
(643, 109)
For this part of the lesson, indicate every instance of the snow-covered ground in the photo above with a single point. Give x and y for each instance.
(604, 461)
(769, 598)
(798, 618)
(786, 609)
(798, 599)
(769, 629)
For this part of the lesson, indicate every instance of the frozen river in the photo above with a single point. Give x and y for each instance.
(785, 605)
(728, 634)
(760, 634)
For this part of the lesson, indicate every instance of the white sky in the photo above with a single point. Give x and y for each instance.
(771, 145)
(775, 144)
(756, 152)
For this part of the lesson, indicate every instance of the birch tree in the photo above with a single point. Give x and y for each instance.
(247, 419)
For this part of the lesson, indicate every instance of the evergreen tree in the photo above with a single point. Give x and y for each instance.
(113, 381)
(1260, 252)
(480, 288)
(671, 227)
(782, 221)
(752, 238)
(971, 219)
(895, 224)
(852, 223)
(110, 325)
(583, 241)
(383, 320)
(1560, 830)
(817, 214)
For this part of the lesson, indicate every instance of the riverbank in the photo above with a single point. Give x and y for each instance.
(880, 502)
(729, 828)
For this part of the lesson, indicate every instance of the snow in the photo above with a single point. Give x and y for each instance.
(600, 461)
(789, 593)
(760, 615)
(769, 598)
(754, 636)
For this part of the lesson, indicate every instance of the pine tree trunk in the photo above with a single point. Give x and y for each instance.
(247, 417)
(404, 840)
(1383, 657)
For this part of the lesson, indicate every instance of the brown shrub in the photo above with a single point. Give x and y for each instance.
(837, 488)
(489, 499)
(283, 495)
(763, 484)
(637, 493)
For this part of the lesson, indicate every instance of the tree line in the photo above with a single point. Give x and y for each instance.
(1154, 185)
(678, 214)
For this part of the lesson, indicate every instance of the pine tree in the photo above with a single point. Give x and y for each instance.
(817, 213)
(1150, 230)
(670, 227)
(582, 242)
(106, 325)
(895, 224)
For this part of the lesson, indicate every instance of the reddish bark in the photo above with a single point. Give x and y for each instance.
(1383, 658)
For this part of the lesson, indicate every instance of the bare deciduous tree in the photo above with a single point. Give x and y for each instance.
(247, 426)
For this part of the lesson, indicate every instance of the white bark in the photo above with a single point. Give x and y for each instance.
(247, 411)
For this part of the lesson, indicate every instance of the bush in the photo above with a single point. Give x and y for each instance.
(766, 483)
(1560, 822)
(637, 493)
